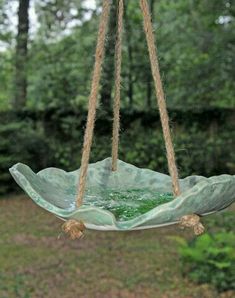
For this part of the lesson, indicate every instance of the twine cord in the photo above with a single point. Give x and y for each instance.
(99, 55)
(160, 96)
(117, 88)
(191, 220)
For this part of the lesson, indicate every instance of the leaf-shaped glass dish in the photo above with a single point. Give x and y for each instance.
(109, 196)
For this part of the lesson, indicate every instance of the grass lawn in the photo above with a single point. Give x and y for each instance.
(35, 263)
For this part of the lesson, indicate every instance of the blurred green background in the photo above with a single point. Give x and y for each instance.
(46, 58)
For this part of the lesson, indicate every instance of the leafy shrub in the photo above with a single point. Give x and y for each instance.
(54, 137)
(210, 259)
(222, 221)
(21, 142)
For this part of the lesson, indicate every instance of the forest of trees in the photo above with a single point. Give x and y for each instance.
(46, 57)
(51, 65)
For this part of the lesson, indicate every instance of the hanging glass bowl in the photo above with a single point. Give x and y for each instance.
(128, 199)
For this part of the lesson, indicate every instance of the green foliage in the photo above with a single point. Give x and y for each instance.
(55, 139)
(195, 44)
(6, 33)
(222, 222)
(210, 258)
(21, 142)
(5, 79)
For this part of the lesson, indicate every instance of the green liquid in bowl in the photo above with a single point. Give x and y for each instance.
(127, 204)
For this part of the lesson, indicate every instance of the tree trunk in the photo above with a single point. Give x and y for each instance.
(108, 65)
(20, 88)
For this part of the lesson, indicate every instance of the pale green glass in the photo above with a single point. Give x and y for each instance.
(148, 192)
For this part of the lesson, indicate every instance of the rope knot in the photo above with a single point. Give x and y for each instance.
(192, 221)
(73, 228)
